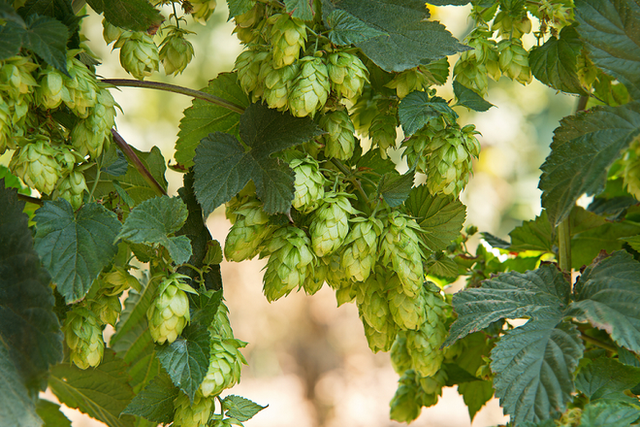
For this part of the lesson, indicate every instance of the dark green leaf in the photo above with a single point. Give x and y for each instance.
(609, 28)
(301, 9)
(394, 188)
(238, 7)
(608, 379)
(604, 414)
(155, 402)
(441, 265)
(135, 15)
(47, 37)
(203, 117)
(475, 395)
(102, 393)
(16, 407)
(240, 408)
(583, 148)
(539, 294)
(206, 306)
(74, 249)
(187, 358)
(417, 108)
(608, 296)
(469, 98)
(555, 62)
(51, 414)
(609, 237)
(534, 367)
(11, 35)
(346, 29)
(441, 218)
(114, 162)
(534, 235)
(628, 358)
(411, 39)
(495, 241)
(448, 2)
(373, 161)
(153, 221)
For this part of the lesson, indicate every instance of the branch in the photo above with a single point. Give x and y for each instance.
(137, 163)
(30, 199)
(177, 89)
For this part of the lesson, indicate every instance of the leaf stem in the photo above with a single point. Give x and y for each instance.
(95, 182)
(598, 343)
(564, 245)
(177, 89)
(30, 199)
(352, 179)
(137, 163)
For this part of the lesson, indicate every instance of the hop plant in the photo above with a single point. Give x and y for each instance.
(83, 335)
(276, 83)
(287, 36)
(308, 186)
(71, 188)
(330, 224)
(225, 365)
(348, 75)
(194, 414)
(361, 248)
(310, 89)
(245, 239)
(36, 164)
(514, 61)
(168, 314)
(138, 54)
(202, 10)
(339, 139)
(248, 65)
(176, 52)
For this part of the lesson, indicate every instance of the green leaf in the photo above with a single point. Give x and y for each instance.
(51, 414)
(441, 218)
(10, 40)
(153, 221)
(223, 167)
(102, 393)
(607, 379)
(203, 117)
(609, 29)
(539, 294)
(417, 108)
(469, 98)
(583, 148)
(205, 308)
(134, 15)
(240, 408)
(16, 407)
(608, 297)
(155, 402)
(534, 367)
(604, 414)
(495, 241)
(301, 9)
(475, 395)
(410, 40)
(28, 325)
(238, 7)
(74, 249)
(346, 29)
(534, 235)
(441, 265)
(187, 358)
(394, 188)
(47, 37)
(555, 62)
(609, 237)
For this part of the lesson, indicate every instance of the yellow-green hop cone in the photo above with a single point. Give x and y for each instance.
(287, 36)
(330, 224)
(290, 262)
(308, 186)
(471, 73)
(83, 335)
(221, 326)
(360, 248)
(339, 139)
(509, 26)
(6, 140)
(168, 314)
(71, 188)
(348, 75)
(407, 312)
(36, 165)
(83, 88)
(248, 65)
(514, 61)
(117, 281)
(138, 54)
(432, 385)
(247, 234)
(373, 306)
(202, 10)
(225, 365)
(310, 89)
(485, 50)
(406, 404)
(110, 32)
(400, 357)
(90, 135)
(194, 414)
(380, 340)
(276, 83)
(176, 53)
(248, 24)
(415, 147)
(383, 130)
(409, 81)
(107, 309)
(51, 91)
(15, 76)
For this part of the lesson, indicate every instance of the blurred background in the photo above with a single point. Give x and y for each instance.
(309, 360)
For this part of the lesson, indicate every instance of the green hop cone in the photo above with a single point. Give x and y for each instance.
(202, 10)
(308, 186)
(471, 73)
(225, 365)
(361, 248)
(276, 83)
(248, 65)
(83, 87)
(138, 54)
(83, 335)
(514, 61)
(6, 140)
(110, 32)
(373, 306)
(221, 326)
(310, 89)
(348, 75)
(511, 24)
(383, 129)
(247, 234)
(415, 147)
(400, 357)
(117, 281)
(400, 247)
(51, 91)
(71, 188)
(407, 312)
(432, 385)
(380, 340)
(15, 76)
(36, 165)
(168, 314)
(248, 23)
(339, 139)
(176, 52)
(196, 414)
(89, 136)
(409, 81)
(406, 404)
(107, 309)
(485, 50)
(287, 36)
(290, 262)
(330, 224)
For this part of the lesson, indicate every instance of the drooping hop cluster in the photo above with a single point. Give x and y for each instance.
(138, 54)
(168, 314)
(225, 366)
(83, 334)
(250, 228)
(194, 414)
(330, 224)
(308, 185)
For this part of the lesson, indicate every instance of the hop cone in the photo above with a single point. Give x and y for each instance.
(15, 76)
(71, 188)
(330, 224)
(221, 327)
(289, 262)
(310, 89)
(348, 75)
(308, 186)
(248, 65)
(194, 414)
(509, 26)
(202, 10)
(400, 357)
(89, 136)
(470, 73)
(361, 244)
(371, 299)
(335, 275)
(415, 147)
(247, 23)
(380, 340)
(117, 281)
(83, 335)
(383, 130)
(339, 140)
(407, 312)
(287, 36)
(5, 127)
(51, 91)
(485, 50)
(246, 236)
(107, 308)
(168, 314)
(276, 83)
(82, 87)
(225, 364)
(514, 61)
(138, 54)
(36, 165)
(406, 404)
(176, 52)
(408, 81)
(400, 247)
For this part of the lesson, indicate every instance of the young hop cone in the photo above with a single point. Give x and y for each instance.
(471, 73)
(82, 86)
(110, 32)
(83, 334)
(90, 135)
(202, 10)
(168, 314)
(194, 414)
(51, 90)
(361, 248)
(225, 365)
(107, 308)
(406, 311)
(251, 227)
(400, 357)
(276, 83)
(36, 164)
(287, 36)
(330, 224)
(176, 52)
(310, 89)
(383, 129)
(308, 186)
(339, 139)
(248, 65)
(348, 75)
(514, 61)
(71, 188)
(138, 54)
(371, 299)
(407, 403)
(220, 328)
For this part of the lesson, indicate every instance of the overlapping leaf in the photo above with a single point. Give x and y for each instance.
(604, 414)
(240, 408)
(607, 379)
(51, 414)
(346, 29)
(417, 108)
(16, 407)
(536, 235)
(155, 402)
(238, 7)
(300, 9)
(469, 98)
(135, 15)
(395, 188)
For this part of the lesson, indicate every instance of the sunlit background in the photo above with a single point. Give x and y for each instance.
(309, 360)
